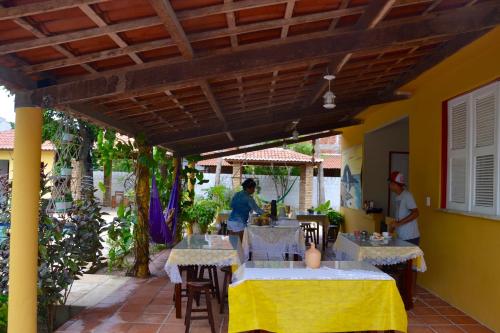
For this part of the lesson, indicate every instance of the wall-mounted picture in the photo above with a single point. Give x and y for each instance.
(350, 189)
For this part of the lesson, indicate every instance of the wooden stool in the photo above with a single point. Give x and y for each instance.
(196, 288)
(213, 278)
(310, 232)
(331, 234)
(228, 275)
(191, 274)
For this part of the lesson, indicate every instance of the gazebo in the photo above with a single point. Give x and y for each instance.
(198, 76)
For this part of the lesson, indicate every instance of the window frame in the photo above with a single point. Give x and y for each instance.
(470, 151)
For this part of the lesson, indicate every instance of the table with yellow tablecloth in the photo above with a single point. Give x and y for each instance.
(338, 297)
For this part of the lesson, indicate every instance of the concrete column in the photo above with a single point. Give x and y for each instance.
(23, 264)
(237, 175)
(306, 186)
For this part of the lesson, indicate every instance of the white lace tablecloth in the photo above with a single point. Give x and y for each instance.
(388, 252)
(297, 271)
(272, 243)
(213, 250)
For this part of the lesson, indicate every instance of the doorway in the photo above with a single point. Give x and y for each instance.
(385, 149)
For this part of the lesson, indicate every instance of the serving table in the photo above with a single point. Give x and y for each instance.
(383, 253)
(285, 296)
(278, 242)
(201, 250)
(321, 219)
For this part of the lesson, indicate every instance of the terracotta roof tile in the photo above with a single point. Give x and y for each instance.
(332, 162)
(7, 141)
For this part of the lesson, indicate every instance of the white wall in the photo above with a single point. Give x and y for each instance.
(117, 182)
(268, 192)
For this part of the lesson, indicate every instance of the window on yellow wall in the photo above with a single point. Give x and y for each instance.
(473, 158)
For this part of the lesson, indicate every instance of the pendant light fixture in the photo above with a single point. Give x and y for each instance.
(329, 97)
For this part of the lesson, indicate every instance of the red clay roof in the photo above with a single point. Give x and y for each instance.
(329, 162)
(7, 141)
(332, 162)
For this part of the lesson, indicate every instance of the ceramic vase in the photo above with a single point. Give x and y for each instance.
(313, 257)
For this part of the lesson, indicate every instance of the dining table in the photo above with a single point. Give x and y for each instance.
(201, 250)
(278, 241)
(384, 253)
(321, 220)
(340, 296)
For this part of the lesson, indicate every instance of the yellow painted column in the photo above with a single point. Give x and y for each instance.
(23, 262)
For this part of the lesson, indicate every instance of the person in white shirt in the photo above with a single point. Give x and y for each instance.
(406, 212)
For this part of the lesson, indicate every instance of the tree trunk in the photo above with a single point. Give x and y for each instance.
(320, 178)
(178, 231)
(218, 170)
(107, 177)
(141, 229)
(85, 158)
(191, 182)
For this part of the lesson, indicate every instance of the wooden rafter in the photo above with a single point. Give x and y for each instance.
(174, 28)
(114, 36)
(269, 145)
(79, 35)
(445, 51)
(41, 7)
(313, 112)
(373, 14)
(205, 87)
(327, 124)
(476, 18)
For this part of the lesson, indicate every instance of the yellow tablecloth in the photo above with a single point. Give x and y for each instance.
(290, 306)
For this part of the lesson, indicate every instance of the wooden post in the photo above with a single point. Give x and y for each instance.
(218, 171)
(141, 229)
(320, 177)
(23, 262)
(237, 175)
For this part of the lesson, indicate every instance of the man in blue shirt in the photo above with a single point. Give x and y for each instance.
(242, 205)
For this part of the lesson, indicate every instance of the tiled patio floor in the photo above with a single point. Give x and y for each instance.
(146, 306)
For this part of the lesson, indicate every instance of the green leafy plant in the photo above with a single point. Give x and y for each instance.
(202, 212)
(335, 217)
(67, 247)
(3, 313)
(120, 237)
(221, 195)
(323, 208)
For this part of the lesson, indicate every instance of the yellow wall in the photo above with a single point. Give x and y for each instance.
(47, 158)
(462, 252)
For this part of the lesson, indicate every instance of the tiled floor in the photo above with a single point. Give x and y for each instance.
(146, 306)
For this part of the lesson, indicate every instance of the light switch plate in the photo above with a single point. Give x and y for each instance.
(428, 201)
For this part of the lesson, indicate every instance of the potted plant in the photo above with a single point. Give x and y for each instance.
(336, 219)
(66, 169)
(67, 137)
(200, 216)
(3, 313)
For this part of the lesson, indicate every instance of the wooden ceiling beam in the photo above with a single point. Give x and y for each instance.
(300, 114)
(446, 50)
(114, 36)
(168, 17)
(476, 18)
(329, 124)
(374, 13)
(279, 143)
(79, 35)
(205, 87)
(226, 7)
(41, 7)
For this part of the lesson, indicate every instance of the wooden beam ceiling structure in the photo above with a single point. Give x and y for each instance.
(197, 76)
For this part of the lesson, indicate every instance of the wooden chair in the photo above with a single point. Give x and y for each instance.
(310, 230)
(228, 275)
(195, 289)
(213, 278)
(331, 234)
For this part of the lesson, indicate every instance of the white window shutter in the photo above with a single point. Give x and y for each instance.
(458, 169)
(484, 150)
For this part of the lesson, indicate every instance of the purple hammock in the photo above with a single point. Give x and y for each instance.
(162, 225)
